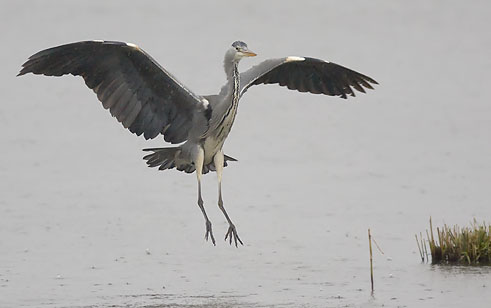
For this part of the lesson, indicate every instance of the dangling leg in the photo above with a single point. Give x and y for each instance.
(198, 162)
(232, 232)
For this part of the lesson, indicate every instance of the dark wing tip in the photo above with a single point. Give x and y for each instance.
(25, 68)
(370, 80)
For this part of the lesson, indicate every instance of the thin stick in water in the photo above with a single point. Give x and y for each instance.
(371, 258)
(376, 245)
(419, 248)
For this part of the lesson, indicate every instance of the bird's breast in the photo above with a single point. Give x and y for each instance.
(223, 120)
(211, 146)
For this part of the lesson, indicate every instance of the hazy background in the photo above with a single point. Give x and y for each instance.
(84, 222)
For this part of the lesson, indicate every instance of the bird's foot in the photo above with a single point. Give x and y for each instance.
(209, 232)
(232, 232)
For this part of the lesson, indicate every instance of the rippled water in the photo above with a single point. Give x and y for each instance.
(83, 222)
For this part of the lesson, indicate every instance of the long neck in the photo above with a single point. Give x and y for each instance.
(231, 68)
(234, 81)
(233, 86)
(232, 72)
(231, 101)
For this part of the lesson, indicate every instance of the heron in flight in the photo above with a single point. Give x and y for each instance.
(147, 100)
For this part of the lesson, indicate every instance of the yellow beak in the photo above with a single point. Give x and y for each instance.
(249, 53)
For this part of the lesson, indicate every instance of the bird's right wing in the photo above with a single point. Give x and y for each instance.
(141, 94)
(306, 75)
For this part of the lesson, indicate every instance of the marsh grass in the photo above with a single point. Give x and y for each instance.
(456, 245)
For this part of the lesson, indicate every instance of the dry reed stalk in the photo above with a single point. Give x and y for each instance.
(371, 257)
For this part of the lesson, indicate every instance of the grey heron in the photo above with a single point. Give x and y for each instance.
(149, 101)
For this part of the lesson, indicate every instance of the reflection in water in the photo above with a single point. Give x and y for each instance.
(447, 269)
(166, 300)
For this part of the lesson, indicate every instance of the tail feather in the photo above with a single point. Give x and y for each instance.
(165, 158)
(229, 158)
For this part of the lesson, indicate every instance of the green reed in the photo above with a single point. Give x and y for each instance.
(456, 245)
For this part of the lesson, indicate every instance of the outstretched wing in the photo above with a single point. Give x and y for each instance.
(306, 75)
(141, 94)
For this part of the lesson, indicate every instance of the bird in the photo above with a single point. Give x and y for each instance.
(149, 101)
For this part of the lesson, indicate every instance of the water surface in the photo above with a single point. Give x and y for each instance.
(83, 222)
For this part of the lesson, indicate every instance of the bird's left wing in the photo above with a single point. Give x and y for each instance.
(306, 75)
(140, 93)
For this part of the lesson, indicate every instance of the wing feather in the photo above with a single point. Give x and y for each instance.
(141, 94)
(307, 75)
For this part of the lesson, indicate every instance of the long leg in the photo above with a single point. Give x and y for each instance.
(232, 232)
(198, 162)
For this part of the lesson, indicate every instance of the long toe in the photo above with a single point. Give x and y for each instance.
(209, 232)
(232, 233)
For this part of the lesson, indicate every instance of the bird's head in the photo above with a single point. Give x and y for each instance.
(240, 50)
